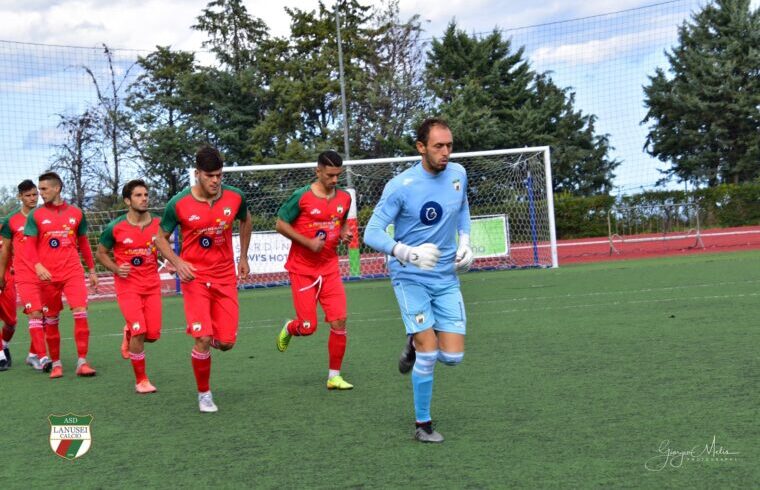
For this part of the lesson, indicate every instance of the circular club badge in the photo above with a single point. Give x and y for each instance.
(205, 242)
(321, 234)
(431, 213)
(54, 243)
(137, 261)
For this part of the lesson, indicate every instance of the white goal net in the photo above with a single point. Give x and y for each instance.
(510, 198)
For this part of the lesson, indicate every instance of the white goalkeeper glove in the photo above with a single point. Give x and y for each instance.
(464, 255)
(424, 256)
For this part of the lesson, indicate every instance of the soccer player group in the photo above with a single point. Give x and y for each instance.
(427, 204)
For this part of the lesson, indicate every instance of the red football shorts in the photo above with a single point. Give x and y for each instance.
(211, 310)
(8, 301)
(327, 289)
(74, 288)
(31, 295)
(142, 312)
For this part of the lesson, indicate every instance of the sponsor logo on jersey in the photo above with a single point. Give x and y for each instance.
(127, 241)
(321, 234)
(205, 242)
(431, 213)
(194, 217)
(315, 211)
(46, 221)
(54, 243)
(407, 181)
(137, 261)
(70, 435)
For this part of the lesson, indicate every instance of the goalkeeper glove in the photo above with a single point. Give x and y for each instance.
(464, 255)
(424, 256)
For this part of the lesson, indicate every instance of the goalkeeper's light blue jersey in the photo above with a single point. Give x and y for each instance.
(424, 208)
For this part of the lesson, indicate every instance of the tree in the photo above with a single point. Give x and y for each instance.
(113, 122)
(160, 130)
(705, 118)
(77, 157)
(492, 99)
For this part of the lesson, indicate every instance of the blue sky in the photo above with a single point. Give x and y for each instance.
(604, 54)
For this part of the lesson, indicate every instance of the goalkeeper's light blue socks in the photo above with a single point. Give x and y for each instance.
(422, 383)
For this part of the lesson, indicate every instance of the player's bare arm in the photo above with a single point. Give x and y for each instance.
(184, 269)
(286, 229)
(246, 227)
(5, 253)
(345, 233)
(104, 258)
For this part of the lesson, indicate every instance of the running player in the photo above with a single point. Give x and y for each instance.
(56, 233)
(205, 213)
(132, 237)
(314, 219)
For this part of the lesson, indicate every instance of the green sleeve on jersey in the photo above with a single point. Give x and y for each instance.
(290, 210)
(170, 220)
(106, 238)
(348, 209)
(30, 229)
(82, 229)
(5, 228)
(243, 209)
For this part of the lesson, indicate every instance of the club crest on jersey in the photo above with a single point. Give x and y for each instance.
(54, 243)
(431, 213)
(70, 435)
(136, 326)
(227, 211)
(340, 209)
(72, 221)
(419, 318)
(196, 327)
(457, 185)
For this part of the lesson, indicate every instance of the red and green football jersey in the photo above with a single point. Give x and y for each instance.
(58, 229)
(13, 229)
(207, 232)
(134, 245)
(313, 216)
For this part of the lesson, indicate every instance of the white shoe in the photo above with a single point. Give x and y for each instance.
(34, 361)
(206, 403)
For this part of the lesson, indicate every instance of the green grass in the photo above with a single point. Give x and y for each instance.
(572, 379)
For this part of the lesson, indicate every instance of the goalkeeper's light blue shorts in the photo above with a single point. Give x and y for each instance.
(430, 305)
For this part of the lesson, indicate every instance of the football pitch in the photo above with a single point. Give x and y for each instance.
(636, 374)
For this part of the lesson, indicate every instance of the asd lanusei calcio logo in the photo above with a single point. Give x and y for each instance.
(70, 435)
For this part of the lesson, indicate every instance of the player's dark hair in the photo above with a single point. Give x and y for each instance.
(423, 132)
(330, 158)
(52, 176)
(26, 186)
(208, 159)
(129, 187)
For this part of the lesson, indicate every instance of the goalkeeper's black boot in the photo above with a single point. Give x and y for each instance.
(408, 355)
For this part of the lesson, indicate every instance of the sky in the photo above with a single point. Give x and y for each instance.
(603, 49)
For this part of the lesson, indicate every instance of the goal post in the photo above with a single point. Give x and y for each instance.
(509, 193)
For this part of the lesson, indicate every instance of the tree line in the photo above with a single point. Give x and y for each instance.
(270, 99)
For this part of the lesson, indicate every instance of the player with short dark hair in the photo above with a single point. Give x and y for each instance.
(19, 271)
(427, 203)
(314, 219)
(205, 213)
(132, 237)
(56, 233)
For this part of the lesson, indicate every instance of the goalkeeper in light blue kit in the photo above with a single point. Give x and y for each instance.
(427, 204)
